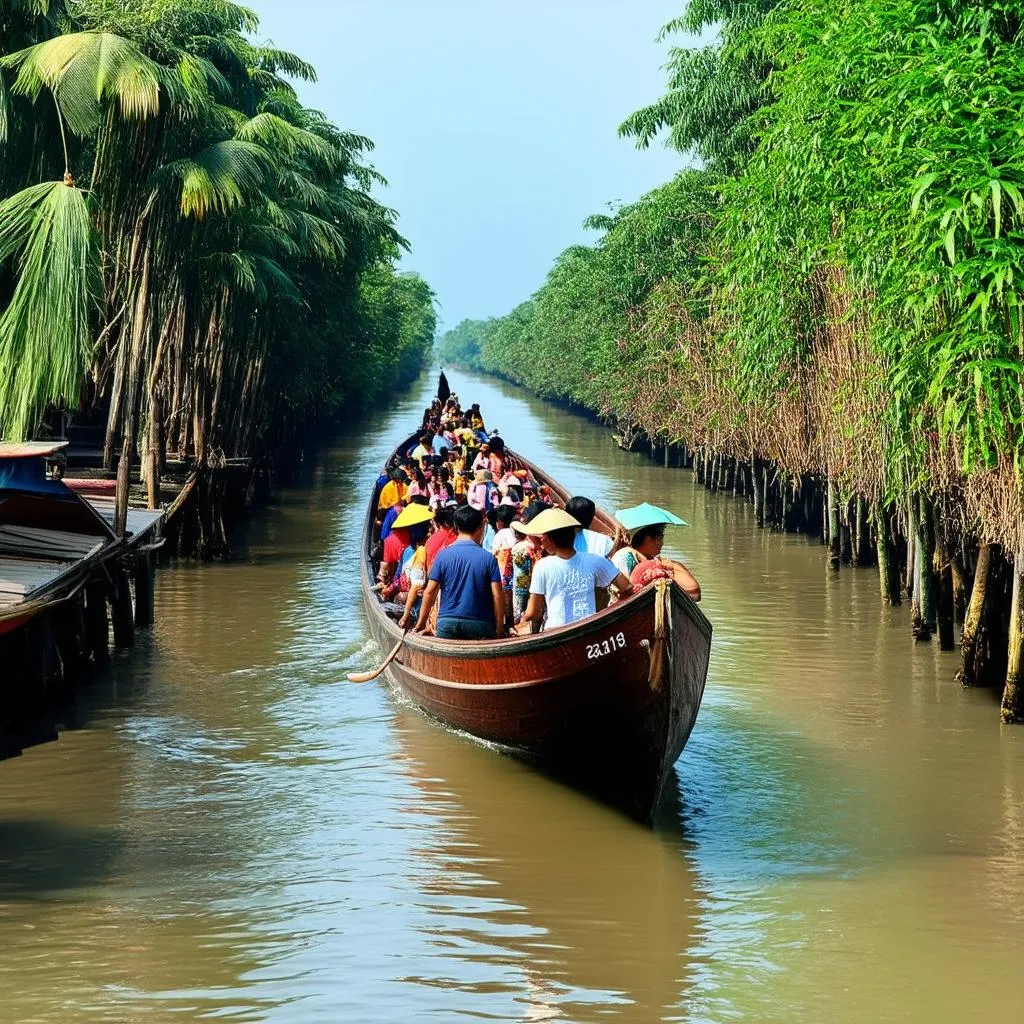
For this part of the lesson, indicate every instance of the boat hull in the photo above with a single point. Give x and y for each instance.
(607, 703)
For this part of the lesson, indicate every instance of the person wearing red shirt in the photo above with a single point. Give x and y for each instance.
(444, 534)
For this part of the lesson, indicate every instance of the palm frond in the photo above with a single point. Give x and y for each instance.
(220, 178)
(44, 332)
(85, 71)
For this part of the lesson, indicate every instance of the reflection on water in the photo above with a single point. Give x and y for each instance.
(231, 831)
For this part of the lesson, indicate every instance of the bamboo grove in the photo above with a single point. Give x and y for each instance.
(186, 251)
(824, 313)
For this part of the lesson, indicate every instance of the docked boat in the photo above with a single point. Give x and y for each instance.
(51, 539)
(607, 703)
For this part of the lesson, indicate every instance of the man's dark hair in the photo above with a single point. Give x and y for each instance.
(504, 516)
(533, 510)
(582, 510)
(443, 516)
(419, 499)
(468, 519)
(427, 437)
(563, 538)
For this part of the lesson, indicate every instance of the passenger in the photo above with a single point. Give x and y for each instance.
(395, 511)
(583, 510)
(641, 561)
(469, 583)
(526, 552)
(483, 493)
(483, 459)
(563, 584)
(413, 579)
(418, 485)
(399, 552)
(476, 420)
(497, 460)
(425, 448)
(444, 534)
(393, 491)
(505, 539)
(440, 488)
(394, 547)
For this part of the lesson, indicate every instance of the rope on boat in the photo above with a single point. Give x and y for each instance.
(662, 632)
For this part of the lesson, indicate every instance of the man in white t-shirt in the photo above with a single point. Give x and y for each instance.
(583, 511)
(563, 584)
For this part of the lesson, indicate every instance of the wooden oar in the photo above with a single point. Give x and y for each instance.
(368, 677)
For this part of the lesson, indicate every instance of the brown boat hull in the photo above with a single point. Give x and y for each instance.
(607, 703)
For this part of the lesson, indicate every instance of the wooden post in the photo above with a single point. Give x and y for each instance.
(887, 576)
(121, 615)
(928, 580)
(96, 625)
(1012, 706)
(834, 536)
(973, 637)
(943, 569)
(143, 589)
(917, 570)
(758, 474)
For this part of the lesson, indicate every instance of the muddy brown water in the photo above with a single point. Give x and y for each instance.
(228, 831)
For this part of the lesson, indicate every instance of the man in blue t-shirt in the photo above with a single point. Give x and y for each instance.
(469, 581)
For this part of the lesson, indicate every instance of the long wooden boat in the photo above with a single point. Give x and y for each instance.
(607, 703)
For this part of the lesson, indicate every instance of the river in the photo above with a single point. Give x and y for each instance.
(227, 830)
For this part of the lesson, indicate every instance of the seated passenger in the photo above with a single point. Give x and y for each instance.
(563, 584)
(468, 581)
(527, 551)
(641, 559)
(393, 491)
(583, 511)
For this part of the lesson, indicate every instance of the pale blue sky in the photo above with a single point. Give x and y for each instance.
(495, 123)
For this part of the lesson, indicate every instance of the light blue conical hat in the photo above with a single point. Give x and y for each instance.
(639, 516)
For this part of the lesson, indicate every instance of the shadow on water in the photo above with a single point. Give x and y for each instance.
(41, 858)
(591, 910)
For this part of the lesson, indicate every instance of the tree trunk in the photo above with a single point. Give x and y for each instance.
(154, 448)
(928, 578)
(834, 535)
(757, 471)
(943, 568)
(888, 577)
(918, 570)
(973, 638)
(1012, 707)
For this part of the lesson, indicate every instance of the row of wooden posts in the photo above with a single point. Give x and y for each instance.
(921, 553)
(46, 658)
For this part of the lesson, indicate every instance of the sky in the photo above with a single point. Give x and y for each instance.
(495, 123)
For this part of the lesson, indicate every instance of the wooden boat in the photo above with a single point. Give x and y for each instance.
(607, 703)
(51, 539)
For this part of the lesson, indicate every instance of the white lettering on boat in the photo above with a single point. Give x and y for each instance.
(609, 646)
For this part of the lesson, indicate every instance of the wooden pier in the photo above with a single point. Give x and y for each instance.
(69, 587)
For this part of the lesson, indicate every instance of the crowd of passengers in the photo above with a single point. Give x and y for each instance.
(473, 547)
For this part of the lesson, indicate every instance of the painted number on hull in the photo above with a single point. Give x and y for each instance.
(609, 646)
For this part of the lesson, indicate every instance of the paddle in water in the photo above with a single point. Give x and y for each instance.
(368, 677)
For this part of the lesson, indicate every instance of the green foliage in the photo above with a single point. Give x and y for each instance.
(840, 290)
(223, 263)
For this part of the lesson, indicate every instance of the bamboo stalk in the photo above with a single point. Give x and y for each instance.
(1012, 706)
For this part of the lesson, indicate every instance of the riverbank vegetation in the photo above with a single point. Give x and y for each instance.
(187, 252)
(824, 314)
